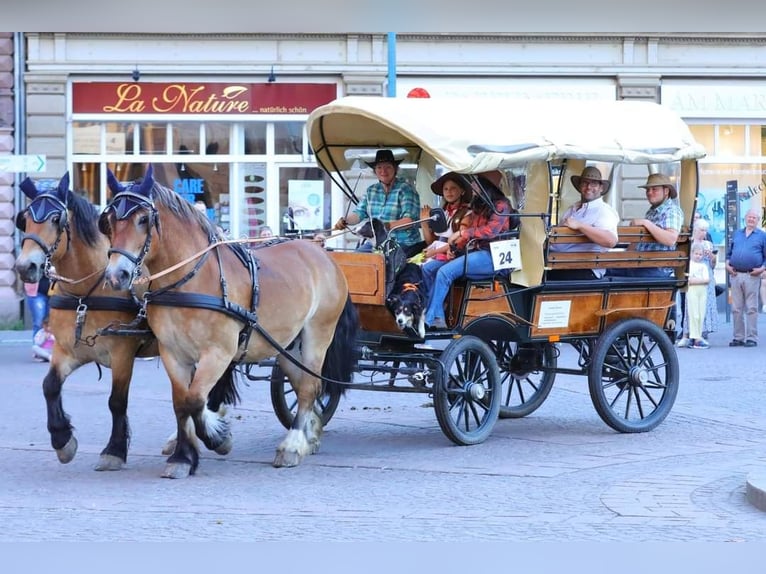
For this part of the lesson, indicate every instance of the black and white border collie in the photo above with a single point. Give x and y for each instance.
(406, 302)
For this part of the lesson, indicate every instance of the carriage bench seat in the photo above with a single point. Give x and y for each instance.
(624, 255)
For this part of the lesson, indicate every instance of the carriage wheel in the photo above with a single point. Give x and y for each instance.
(467, 399)
(527, 371)
(633, 375)
(285, 401)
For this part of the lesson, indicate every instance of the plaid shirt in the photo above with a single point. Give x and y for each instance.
(483, 227)
(401, 201)
(667, 215)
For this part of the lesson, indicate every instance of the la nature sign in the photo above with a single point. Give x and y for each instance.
(199, 98)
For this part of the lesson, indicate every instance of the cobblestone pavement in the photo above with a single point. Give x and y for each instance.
(386, 472)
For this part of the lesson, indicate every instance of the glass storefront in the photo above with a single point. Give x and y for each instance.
(263, 171)
(736, 159)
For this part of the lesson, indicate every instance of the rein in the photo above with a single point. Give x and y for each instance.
(56, 277)
(147, 279)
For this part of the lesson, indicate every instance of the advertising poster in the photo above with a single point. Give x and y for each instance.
(747, 181)
(305, 204)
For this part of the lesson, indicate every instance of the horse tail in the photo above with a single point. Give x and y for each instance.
(340, 360)
(225, 391)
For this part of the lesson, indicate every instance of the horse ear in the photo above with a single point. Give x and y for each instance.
(112, 183)
(63, 187)
(21, 221)
(29, 188)
(148, 183)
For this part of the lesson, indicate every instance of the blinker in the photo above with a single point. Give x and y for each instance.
(45, 206)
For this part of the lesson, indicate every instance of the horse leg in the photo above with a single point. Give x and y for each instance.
(223, 394)
(212, 428)
(115, 454)
(194, 419)
(59, 427)
(304, 435)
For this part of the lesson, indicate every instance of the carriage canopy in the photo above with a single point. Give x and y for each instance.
(476, 135)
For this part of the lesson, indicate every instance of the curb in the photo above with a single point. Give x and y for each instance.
(756, 490)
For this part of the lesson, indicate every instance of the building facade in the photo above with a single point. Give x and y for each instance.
(221, 117)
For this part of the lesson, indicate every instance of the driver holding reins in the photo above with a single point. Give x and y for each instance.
(392, 200)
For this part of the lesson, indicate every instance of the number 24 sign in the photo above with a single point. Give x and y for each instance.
(506, 254)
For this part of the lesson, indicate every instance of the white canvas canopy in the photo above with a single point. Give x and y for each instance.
(473, 135)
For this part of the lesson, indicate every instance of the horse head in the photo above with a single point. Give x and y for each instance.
(42, 223)
(128, 220)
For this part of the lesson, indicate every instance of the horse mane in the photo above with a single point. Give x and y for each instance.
(182, 208)
(84, 218)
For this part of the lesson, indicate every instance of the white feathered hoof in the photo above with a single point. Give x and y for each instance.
(292, 450)
(225, 447)
(177, 470)
(109, 462)
(286, 459)
(67, 452)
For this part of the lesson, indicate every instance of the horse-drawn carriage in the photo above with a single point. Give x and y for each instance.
(213, 304)
(622, 329)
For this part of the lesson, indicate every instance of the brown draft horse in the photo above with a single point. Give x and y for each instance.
(211, 304)
(60, 230)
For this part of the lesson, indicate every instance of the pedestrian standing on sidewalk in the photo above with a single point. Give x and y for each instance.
(696, 295)
(700, 232)
(745, 263)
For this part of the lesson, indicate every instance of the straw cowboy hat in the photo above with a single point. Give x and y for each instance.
(660, 179)
(438, 186)
(384, 156)
(593, 174)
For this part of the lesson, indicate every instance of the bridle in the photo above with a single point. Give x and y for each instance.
(123, 205)
(44, 207)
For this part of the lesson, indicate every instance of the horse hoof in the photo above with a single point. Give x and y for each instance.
(170, 447)
(67, 452)
(109, 462)
(286, 459)
(225, 447)
(177, 470)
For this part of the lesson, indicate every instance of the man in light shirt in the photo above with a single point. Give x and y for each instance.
(592, 217)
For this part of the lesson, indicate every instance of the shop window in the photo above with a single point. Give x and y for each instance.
(255, 138)
(705, 135)
(85, 178)
(119, 138)
(186, 138)
(252, 216)
(288, 138)
(756, 141)
(217, 138)
(731, 140)
(154, 138)
(86, 138)
(304, 200)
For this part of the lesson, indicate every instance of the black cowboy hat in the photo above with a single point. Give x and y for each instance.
(383, 156)
(438, 186)
(592, 173)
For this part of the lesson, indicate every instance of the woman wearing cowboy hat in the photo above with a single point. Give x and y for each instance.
(391, 200)
(592, 217)
(456, 194)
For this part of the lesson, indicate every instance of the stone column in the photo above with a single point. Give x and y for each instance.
(9, 292)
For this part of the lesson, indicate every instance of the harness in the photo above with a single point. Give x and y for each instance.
(123, 205)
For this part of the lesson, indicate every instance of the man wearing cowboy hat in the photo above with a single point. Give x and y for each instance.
(391, 200)
(663, 220)
(592, 217)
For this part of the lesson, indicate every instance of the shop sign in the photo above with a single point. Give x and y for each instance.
(199, 98)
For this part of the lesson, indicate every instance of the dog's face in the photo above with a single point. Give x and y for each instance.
(407, 309)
